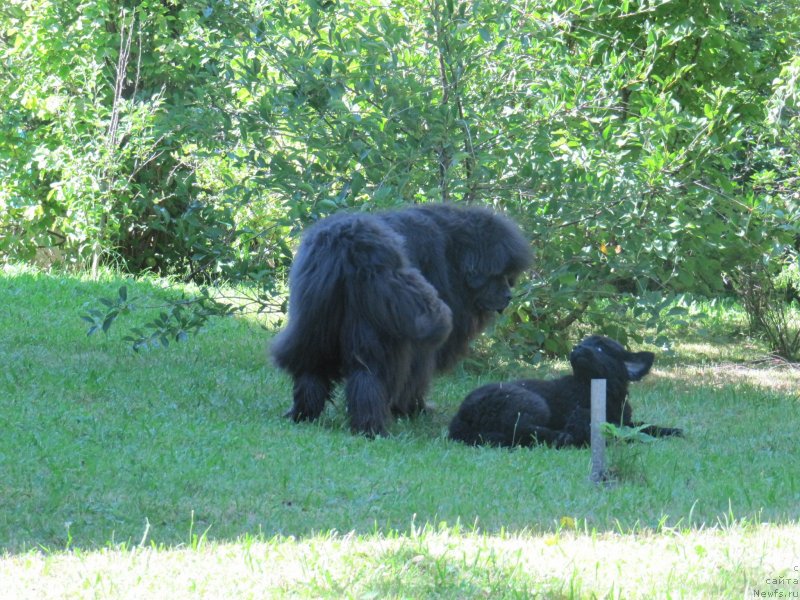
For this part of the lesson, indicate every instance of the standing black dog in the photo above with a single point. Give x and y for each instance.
(383, 301)
(556, 412)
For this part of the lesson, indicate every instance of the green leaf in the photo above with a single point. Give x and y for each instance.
(109, 320)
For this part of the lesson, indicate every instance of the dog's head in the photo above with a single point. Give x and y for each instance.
(492, 254)
(490, 293)
(599, 357)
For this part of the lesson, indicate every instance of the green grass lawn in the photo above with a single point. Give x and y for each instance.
(171, 473)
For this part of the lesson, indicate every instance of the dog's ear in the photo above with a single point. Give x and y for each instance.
(638, 364)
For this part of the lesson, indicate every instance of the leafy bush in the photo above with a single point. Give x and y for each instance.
(646, 148)
(772, 314)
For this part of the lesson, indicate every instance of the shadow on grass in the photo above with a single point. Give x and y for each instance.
(102, 445)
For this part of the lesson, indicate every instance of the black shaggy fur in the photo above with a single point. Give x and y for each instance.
(383, 301)
(558, 411)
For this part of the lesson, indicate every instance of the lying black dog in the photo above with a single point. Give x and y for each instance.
(556, 412)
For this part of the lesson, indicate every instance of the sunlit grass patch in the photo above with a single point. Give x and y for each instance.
(727, 560)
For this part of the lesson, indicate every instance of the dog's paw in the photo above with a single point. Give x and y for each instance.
(563, 440)
(299, 415)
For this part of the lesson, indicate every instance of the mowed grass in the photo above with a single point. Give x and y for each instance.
(171, 473)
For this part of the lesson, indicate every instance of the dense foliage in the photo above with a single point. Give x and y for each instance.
(649, 148)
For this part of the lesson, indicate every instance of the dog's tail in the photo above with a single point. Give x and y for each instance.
(316, 284)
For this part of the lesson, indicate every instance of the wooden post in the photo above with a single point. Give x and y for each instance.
(597, 440)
